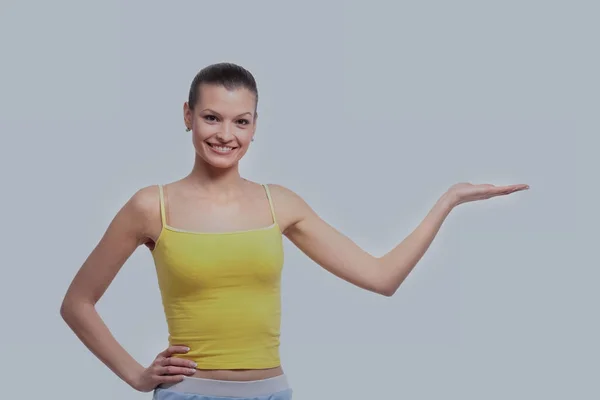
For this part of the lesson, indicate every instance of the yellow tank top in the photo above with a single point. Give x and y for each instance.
(221, 293)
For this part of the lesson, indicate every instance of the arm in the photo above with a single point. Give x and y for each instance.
(401, 260)
(124, 234)
(342, 257)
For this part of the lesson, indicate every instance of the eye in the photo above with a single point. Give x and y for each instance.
(243, 121)
(210, 118)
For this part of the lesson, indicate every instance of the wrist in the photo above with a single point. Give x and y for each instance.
(448, 201)
(133, 375)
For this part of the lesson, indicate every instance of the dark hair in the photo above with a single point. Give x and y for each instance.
(228, 75)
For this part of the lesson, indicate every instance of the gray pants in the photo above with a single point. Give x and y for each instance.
(191, 388)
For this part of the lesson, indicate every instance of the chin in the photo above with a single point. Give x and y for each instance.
(218, 161)
(221, 165)
(210, 161)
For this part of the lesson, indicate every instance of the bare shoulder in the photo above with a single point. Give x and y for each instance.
(289, 206)
(143, 210)
(145, 200)
(286, 197)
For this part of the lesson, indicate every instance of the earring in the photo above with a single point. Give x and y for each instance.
(252, 140)
(187, 129)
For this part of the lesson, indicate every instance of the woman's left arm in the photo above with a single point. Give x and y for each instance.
(342, 257)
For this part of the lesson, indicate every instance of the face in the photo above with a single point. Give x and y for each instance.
(223, 124)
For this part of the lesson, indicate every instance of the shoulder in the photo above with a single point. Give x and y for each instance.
(142, 209)
(290, 207)
(139, 216)
(143, 212)
(285, 196)
(145, 201)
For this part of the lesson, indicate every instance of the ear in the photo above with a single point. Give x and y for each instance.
(187, 115)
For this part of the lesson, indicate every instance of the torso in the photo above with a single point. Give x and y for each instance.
(240, 374)
(188, 211)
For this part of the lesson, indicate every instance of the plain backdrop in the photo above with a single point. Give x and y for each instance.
(368, 110)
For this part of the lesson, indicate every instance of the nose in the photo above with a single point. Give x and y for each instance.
(226, 134)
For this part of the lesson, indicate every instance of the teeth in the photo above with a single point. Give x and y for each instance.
(223, 149)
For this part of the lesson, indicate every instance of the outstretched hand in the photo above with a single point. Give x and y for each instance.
(466, 192)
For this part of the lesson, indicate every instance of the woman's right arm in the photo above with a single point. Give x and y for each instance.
(131, 227)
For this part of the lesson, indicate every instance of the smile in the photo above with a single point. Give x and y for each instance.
(221, 149)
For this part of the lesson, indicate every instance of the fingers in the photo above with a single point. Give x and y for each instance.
(173, 365)
(174, 370)
(177, 362)
(167, 369)
(518, 188)
(175, 349)
(510, 188)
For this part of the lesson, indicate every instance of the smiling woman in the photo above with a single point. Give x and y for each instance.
(221, 113)
(216, 241)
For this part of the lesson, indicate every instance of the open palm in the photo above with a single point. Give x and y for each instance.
(466, 192)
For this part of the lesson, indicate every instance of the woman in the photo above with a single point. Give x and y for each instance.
(216, 239)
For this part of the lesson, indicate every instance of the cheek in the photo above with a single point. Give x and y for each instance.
(198, 139)
(203, 132)
(245, 137)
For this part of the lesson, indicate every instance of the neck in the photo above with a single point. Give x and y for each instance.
(217, 181)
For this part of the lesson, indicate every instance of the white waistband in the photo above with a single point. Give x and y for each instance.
(214, 387)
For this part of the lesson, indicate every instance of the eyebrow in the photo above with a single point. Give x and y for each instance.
(214, 112)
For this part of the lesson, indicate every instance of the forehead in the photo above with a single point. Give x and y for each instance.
(218, 97)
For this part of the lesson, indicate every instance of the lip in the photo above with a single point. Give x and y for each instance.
(214, 150)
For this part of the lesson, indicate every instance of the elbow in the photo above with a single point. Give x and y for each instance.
(65, 310)
(383, 282)
(385, 285)
(70, 308)
(386, 289)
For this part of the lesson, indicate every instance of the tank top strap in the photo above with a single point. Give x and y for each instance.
(161, 196)
(266, 186)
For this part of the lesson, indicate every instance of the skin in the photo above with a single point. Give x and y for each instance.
(230, 202)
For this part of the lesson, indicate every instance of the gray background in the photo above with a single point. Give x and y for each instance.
(370, 111)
